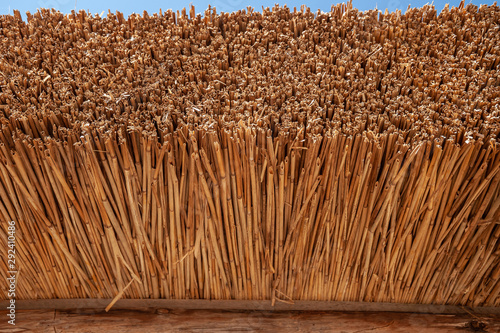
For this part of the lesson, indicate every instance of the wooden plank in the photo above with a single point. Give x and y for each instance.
(39, 321)
(100, 304)
(157, 320)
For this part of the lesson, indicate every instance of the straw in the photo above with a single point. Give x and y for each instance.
(279, 155)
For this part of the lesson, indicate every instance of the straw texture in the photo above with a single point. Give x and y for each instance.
(280, 155)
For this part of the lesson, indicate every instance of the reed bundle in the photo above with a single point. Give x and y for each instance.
(282, 155)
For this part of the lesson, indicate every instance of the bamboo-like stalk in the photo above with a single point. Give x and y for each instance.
(280, 155)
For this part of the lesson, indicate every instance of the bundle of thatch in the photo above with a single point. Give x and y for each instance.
(282, 154)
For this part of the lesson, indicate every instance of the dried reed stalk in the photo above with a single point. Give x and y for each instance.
(281, 155)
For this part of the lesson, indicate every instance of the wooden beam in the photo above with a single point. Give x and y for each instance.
(100, 304)
(129, 321)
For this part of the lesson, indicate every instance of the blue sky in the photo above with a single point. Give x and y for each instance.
(152, 6)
